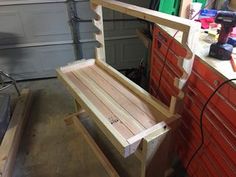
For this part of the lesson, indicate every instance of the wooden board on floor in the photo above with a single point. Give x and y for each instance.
(98, 153)
(11, 139)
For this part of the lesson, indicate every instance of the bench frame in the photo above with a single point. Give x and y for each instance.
(156, 141)
(189, 28)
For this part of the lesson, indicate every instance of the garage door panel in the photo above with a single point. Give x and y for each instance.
(11, 29)
(119, 53)
(46, 22)
(34, 23)
(28, 63)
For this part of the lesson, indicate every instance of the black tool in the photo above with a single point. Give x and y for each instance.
(221, 50)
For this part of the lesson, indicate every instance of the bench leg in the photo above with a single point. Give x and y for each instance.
(154, 152)
(75, 120)
(77, 106)
(154, 155)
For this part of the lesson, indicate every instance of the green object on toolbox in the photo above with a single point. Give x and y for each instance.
(172, 6)
(169, 6)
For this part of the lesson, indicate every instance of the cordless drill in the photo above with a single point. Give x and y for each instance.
(221, 50)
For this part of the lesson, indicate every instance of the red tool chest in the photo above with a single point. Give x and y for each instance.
(161, 42)
(218, 155)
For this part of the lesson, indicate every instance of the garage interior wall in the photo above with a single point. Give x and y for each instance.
(36, 37)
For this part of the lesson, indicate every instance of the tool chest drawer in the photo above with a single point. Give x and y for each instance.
(213, 79)
(217, 156)
(222, 104)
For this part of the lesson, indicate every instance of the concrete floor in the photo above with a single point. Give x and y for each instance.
(49, 148)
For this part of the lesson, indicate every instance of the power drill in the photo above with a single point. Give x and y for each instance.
(221, 50)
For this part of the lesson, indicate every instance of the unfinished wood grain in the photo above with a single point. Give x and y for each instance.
(147, 108)
(99, 36)
(184, 8)
(120, 112)
(103, 109)
(116, 104)
(145, 14)
(141, 35)
(93, 90)
(68, 121)
(120, 98)
(155, 152)
(171, 21)
(97, 151)
(136, 140)
(77, 64)
(135, 88)
(119, 141)
(188, 27)
(11, 139)
(77, 106)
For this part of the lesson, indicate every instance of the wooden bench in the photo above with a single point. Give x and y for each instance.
(132, 120)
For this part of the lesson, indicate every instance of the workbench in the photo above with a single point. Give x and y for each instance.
(224, 68)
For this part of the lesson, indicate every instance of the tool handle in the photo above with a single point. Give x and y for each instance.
(224, 34)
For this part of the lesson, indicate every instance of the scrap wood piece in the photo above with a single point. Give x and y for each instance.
(99, 36)
(11, 139)
(68, 119)
(184, 8)
(95, 148)
(185, 25)
(143, 37)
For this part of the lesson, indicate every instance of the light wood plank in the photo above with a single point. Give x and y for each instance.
(143, 105)
(171, 21)
(120, 98)
(121, 113)
(119, 141)
(184, 8)
(141, 35)
(135, 88)
(77, 65)
(98, 23)
(155, 153)
(99, 154)
(124, 131)
(136, 140)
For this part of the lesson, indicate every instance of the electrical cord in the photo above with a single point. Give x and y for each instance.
(168, 49)
(208, 100)
(201, 120)
(164, 62)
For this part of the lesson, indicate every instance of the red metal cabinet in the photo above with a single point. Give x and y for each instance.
(218, 155)
(219, 122)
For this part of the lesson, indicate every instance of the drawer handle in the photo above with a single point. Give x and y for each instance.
(216, 83)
